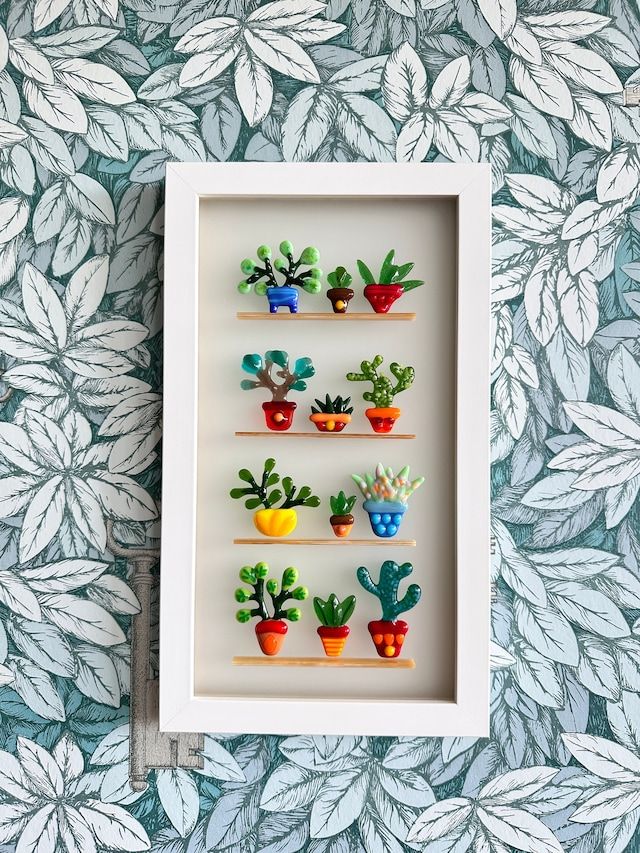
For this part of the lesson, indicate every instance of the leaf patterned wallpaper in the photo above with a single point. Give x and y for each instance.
(95, 97)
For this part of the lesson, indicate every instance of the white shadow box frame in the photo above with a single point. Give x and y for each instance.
(185, 704)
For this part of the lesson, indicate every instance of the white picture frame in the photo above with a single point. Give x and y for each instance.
(181, 708)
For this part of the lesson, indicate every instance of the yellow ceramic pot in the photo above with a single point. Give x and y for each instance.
(275, 522)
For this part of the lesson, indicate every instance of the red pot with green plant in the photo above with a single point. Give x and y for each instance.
(272, 627)
(273, 373)
(383, 414)
(391, 283)
(333, 616)
(331, 415)
(388, 633)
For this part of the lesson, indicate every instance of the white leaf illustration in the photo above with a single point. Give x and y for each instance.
(44, 644)
(63, 575)
(90, 199)
(440, 820)
(603, 757)
(43, 518)
(112, 825)
(30, 61)
(500, 15)
(511, 402)
(582, 66)
(415, 138)
(93, 81)
(85, 291)
(56, 105)
(543, 87)
(450, 84)
(366, 127)
(17, 596)
(114, 595)
(50, 213)
(179, 798)
(96, 675)
(338, 803)
(310, 116)
(36, 688)
(281, 53)
(567, 25)
(43, 307)
(72, 246)
(83, 619)
(592, 121)
(14, 214)
(523, 42)
(106, 132)
(46, 11)
(578, 297)
(254, 87)
(404, 82)
(204, 67)
(619, 175)
(48, 147)
(290, 787)
(519, 829)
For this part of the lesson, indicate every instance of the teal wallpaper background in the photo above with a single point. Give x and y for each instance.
(95, 97)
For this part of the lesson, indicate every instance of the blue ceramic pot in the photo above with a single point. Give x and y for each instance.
(385, 517)
(283, 297)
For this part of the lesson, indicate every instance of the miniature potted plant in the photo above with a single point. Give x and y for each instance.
(271, 629)
(340, 292)
(281, 294)
(382, 292)
(333, 616)
(272, 521)
(388, 633)
(278, 412)
(341, 519)
(332, 415)
(386, 497)
(383, 415)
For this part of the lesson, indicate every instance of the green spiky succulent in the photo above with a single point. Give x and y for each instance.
(390, 273)
(341, 504)
(264, 277)
(256, 578)
(259, 494)
(334, 613)
(332, 406)
(383, 390)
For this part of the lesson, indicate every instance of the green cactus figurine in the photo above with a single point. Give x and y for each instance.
(383, 414)
(389, 632)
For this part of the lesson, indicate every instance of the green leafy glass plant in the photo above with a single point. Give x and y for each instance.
(388, 632)
(265, 281)
(340, 292)
(390, 284)
(273, 373)
(383, 414)
(341, 520)
(272, 627)
(331, 414)
(271, 520)
(333, 616)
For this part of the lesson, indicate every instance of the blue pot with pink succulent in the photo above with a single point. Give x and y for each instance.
(386, 496)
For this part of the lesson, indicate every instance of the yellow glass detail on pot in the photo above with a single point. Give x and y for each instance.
(275, 522)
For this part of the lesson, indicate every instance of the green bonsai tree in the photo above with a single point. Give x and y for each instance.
(341, 504)
(258, 494)
(263, 370)
(264, 277)
(255, 577)
(334, 613)
(387, 588)
(383, 390)
(390, 273)
(335, 406)
(339, 278)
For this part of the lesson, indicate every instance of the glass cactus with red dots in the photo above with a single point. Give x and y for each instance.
(388, 633)
(274, 373)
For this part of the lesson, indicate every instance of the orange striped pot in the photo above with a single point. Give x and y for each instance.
(333, 639)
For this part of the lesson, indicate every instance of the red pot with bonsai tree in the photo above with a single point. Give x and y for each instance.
(273, 373)
(390, 284)
(272, 628)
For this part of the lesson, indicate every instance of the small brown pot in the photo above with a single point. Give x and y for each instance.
(340, 298)
(271, 634)
(327, 422)
(333, 639)
(341, 525)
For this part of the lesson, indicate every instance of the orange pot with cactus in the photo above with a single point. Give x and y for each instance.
(272, 627)
(331, 415)
(383, 414)
(333, 616)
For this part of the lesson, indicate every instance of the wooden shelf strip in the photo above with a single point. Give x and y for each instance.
(326, 315)
(411, 543)
(366, 435)
(363, 663)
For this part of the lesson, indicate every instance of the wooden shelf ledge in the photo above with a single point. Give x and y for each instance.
(362, 663)
(264, 540)
(364, 316)
(365, 435)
